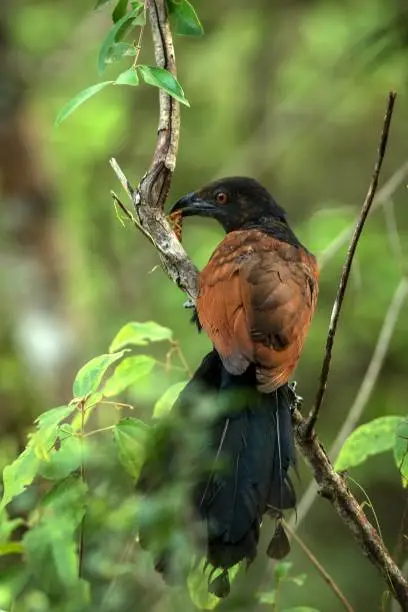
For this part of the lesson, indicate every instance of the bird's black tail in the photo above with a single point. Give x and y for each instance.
(243, 465)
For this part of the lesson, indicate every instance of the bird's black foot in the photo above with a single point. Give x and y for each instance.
(296, 400)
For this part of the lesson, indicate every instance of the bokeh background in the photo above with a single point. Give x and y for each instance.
(291, 93)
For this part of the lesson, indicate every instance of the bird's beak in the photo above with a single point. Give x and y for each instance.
(191, 204)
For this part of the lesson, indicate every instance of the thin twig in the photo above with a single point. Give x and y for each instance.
(325, 575)
(82, 476)
(310, 424)
(363, 395)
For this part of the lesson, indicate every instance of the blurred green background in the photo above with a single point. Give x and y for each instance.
(291, 93)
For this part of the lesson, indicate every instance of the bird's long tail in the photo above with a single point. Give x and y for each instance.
(243, 465)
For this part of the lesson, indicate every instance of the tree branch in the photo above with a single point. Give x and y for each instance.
(311, 422)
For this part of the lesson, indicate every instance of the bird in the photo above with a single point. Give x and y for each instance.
(256, 299)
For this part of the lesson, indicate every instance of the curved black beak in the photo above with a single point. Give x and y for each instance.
(191, 204)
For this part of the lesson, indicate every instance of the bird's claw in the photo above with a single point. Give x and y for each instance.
(296, 400)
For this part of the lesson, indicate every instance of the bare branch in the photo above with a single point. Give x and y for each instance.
(326, 576)
(310, 424)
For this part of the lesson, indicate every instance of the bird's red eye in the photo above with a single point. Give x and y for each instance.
(221, 198)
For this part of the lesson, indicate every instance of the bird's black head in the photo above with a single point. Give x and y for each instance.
(235, 202)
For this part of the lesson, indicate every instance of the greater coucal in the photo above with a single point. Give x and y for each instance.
(257, 295)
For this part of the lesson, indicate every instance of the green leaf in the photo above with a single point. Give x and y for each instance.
(18, 475)
(51, 545)
(52, 417)
(162, 78)
(79, 99)
(401, 450)
(120, 10)
(90, 375)
(140, 334)
(129, 77)
(165, 403)
(130, 436)
(127, 373)
(115, 34)
(64, 461)
(184, 19)
(372, 438)
(298, 580)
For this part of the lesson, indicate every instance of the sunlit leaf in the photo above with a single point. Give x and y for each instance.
(63, 461)
(184, 18)
(18, 475)
(129, 77)
(401, 450)
(90, 375)
(282, 569)
(79, 99)
(371, 438)
(162, 78)
(165, 403)
(127, 373)
(115, 34)
(7, 526)
(140, 334)
(130, 437)
(54, 416)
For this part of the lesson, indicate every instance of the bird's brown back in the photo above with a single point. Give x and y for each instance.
(256, 301)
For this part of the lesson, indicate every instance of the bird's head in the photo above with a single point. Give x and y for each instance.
(234, 202)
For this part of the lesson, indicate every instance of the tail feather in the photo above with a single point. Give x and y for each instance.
(243, 464)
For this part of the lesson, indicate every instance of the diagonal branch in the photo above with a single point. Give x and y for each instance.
(311, 422)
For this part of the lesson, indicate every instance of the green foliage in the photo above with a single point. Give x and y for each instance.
(90, 376)
(159, 77)
(164, 404)
(139, 334)
(401, 450)
(79, 99)
(197, 584)
(282, 574)
(184, 18)
(117, 32)
(375, 437)
(130, 437)
(128, 372)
